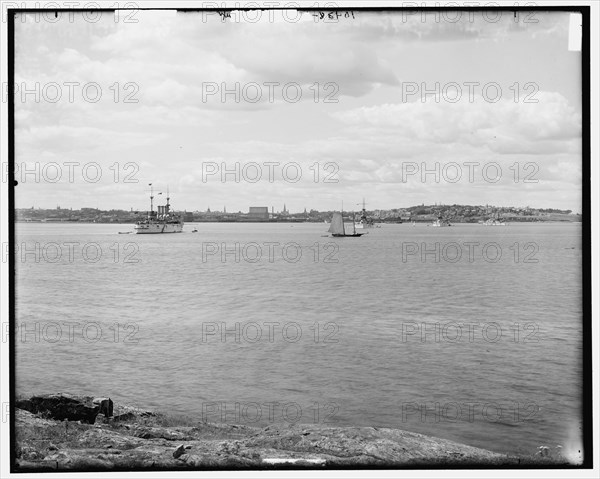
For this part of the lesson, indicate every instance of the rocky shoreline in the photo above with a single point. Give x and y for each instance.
(66, 432)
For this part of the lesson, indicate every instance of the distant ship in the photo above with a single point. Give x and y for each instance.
(494, 222)
(440, 223)
(364, 222)
(160, 221)
(338, 230)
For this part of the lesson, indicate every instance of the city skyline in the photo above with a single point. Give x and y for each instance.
(191, 205)
(284, 210)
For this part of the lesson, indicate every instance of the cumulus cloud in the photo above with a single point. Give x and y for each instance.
(504, 126)
(167, 63)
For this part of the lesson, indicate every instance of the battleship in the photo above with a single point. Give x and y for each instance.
(160, 221)
(365, 221)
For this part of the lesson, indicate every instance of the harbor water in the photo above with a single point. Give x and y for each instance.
(469, 333)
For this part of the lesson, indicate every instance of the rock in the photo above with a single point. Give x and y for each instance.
(128, 416)
(59, 457)
(37, 466)
(148, 443)
(105, 406)
(29, 453)
(62, 406)
(296, 461)
(146, 432)
(104, 438)
(179, 451)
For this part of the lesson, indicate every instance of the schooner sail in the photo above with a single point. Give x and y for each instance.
(337, 227)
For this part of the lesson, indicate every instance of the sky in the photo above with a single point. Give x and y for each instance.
(272, 108)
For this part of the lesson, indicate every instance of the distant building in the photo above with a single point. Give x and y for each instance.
(259, 213)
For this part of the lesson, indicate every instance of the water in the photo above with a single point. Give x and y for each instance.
(341, 326)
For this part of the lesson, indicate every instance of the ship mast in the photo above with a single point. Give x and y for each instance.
(168, 205)
(363, 216)
(343, 227)
(151, 199)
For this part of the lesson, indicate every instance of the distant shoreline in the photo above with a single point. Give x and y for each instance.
(417, 221)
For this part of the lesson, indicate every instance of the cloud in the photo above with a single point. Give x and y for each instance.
(478, 122)
(169, 60)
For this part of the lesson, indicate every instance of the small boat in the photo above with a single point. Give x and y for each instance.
(194, 230)
(338, 230)
(124, 232)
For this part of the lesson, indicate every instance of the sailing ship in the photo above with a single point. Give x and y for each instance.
(160, 221)
(338, 230)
